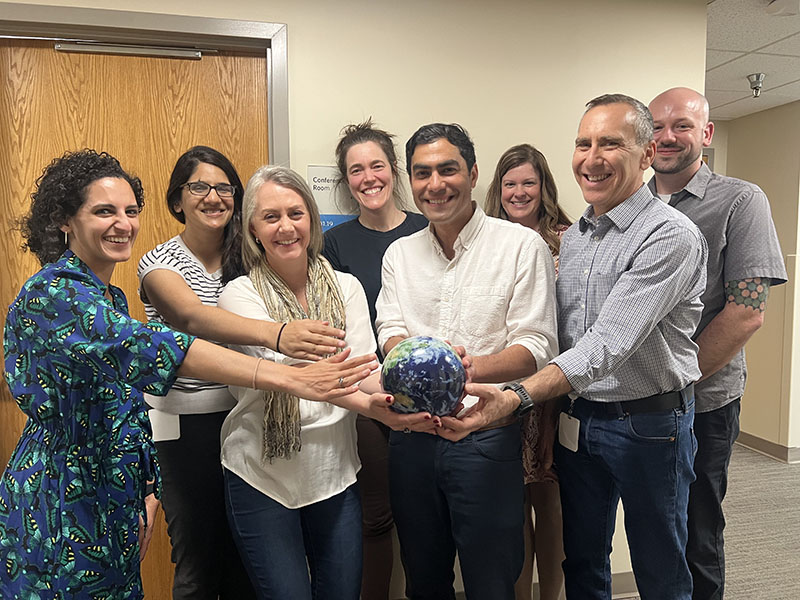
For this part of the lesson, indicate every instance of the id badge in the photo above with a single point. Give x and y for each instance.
(569, 429)
(166, 426)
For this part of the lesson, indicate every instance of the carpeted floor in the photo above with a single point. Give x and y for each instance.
(762, 537)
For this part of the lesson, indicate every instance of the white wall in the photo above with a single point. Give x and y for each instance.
(510, 71)
(720, 145)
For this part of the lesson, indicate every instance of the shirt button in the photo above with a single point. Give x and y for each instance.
(596, 239)
(586, 271)
(583, 305)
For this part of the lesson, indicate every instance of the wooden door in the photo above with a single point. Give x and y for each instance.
(144, 111)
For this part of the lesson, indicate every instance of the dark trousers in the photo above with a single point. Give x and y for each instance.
(716, 431)
(466, 496)
(207, 565)
(377, 521)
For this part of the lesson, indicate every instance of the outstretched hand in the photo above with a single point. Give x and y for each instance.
(379, 407)
(310, 340)
(493, 404)
(332, 377)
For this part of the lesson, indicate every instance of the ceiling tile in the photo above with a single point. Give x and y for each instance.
(714, 58)
(720, 97)
(747, 106)
(733, 75)
(790, 46)
(744, 26)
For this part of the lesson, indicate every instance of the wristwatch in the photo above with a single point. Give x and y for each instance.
(525, 400)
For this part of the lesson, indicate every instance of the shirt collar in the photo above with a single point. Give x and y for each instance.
(467, 234)
(73, 261)
(697, 184)
(623, 214)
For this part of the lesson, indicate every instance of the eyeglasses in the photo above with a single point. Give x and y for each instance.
(203, 189)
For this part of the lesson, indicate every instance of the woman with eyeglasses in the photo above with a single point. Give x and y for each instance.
(181, 280)
(78, 496)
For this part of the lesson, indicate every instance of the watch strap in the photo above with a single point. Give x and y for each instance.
(525, 401)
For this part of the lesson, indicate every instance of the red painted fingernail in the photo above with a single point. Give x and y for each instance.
(427, 417)
(388, 398)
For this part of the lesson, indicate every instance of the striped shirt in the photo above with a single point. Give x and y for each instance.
(175, 256)
(628, 294)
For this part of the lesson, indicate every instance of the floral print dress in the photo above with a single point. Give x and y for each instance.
(72, 493)
(532, 469)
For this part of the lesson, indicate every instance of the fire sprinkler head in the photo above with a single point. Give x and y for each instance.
(756, 83)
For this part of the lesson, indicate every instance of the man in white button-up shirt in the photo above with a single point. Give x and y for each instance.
(487, 285)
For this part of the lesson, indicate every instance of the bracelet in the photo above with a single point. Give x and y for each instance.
(278, 341)
(255, 372)
(149, 488)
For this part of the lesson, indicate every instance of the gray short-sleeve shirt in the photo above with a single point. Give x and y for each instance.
(735, 218)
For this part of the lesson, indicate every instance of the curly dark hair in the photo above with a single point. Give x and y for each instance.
(60, 192)
(232, 237)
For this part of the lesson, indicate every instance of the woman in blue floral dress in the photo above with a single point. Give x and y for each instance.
(76, 501)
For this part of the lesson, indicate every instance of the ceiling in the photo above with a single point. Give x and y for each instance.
(743, 38)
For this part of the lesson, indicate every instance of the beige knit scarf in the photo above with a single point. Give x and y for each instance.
(281, 437)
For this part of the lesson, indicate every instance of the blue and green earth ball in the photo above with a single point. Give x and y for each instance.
(424, 374)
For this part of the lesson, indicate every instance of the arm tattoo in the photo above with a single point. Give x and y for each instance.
(751, 293)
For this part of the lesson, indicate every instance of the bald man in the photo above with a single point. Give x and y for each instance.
(744, 260)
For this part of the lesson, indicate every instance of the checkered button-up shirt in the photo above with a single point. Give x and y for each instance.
(628, 292)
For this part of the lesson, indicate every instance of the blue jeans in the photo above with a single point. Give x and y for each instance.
(646, 460)
(465, 496)
(281, 546)
(716, 431)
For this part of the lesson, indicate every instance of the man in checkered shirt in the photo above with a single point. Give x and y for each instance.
(631, 274)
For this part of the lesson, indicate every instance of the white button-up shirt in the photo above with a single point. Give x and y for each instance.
(498, 290)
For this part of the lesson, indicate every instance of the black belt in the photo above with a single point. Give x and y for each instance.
(651, 404)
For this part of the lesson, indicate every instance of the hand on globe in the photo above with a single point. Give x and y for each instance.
(379, 408)
(466, 361)
(424, 374)
(493, 404)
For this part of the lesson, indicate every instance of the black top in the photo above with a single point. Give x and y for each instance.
(352, 248)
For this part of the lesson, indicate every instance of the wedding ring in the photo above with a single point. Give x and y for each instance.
(406, 430)
(341, 382)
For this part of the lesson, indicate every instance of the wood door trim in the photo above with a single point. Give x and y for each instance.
(120, 26)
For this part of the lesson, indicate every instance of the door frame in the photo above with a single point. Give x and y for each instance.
(127, 27)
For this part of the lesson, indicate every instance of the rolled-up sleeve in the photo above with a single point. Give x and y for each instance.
(389, 322)
(531, 318)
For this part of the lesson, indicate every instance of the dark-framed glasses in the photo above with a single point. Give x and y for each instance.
(202, 189)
